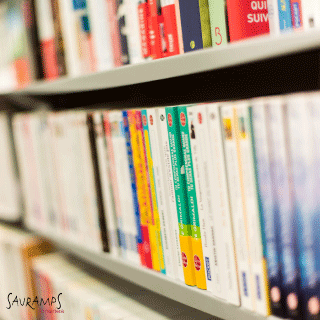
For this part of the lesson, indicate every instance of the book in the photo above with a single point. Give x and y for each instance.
(257, 202)
(220, 203)
(218, 22)
(310, 14)
(281, 172)
(247, 19)
(143, 11)
(152, 186)
(239, 219)
(296, 14)
(186, 134)
(107, 191)
(285, 21)
(154, 29)
(165, 172)
(178, 172)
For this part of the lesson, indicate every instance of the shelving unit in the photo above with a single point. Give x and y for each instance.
(257, 67)
(158, 283)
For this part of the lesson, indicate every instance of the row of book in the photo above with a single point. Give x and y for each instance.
(223, 196)
(52, 38)
(37, 283)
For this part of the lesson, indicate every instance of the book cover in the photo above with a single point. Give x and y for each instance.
(165, 172)
(186, 134)
(147, 252)
(221, 206)
(281, 172)
(241, 237)
(247, 19)
(154, 204)
(178, 172)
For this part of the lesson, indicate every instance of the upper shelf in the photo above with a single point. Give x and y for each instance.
(260, 66)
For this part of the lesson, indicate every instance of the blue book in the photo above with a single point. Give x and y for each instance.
(268, 218)
(284, 206)
(285, 20)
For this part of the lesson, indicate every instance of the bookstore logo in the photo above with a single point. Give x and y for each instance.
(170, 120)
(162, 117)
(184, 259)
(200, 118)
(183, 120)
(151, 120)
(53, 303)
(144, 120)
(197, 262)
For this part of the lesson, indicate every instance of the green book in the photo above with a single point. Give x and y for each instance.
(205, 23)
(178, 172)
(185, 129)
(218, 22)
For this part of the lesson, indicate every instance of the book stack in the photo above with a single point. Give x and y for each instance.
(53, 38)
(222, 196)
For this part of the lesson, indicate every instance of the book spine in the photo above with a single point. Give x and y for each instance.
(166, 166)
(139, 238)
(312, 270)
(143, 11)
(150, 171)
(170, 27)
(104, 170)
(191, 25)
(97, 182)
(236, 204)
(284, 209)
(155, 254)
(197, 139)
(109, 131)
(179, 26)
(167, 232)
(274, 19)
(154, 30)
(186, 132)
(222, 210)
(247, 18)
(285, 20)
(218, 22)
(59, 41)
(125, 188)
(101, 33)
(124, 31)
(296, 14)
(205, 23)
(250, 195)
(142, 189)
(178, 172)
(303, 161)
(47, 38)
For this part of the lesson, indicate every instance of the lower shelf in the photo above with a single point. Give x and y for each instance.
(158, 283)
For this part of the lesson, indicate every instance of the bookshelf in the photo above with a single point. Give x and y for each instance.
(256, 67)
(259, 66)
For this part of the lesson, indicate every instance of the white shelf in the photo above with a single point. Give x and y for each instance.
(158, 283)
(233, 54)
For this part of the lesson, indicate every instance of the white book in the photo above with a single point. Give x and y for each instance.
(236, 203)
(129, 226)
(273, 15)
(44, 18)
(250, 195)
(170, 198)
(108, 201)
(310, 14)
(205, 217)
(221, 206)
(167, 232)
(10, 206)
(98, 16)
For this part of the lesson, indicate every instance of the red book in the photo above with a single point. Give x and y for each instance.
(154, 29)
(296, 14)
(144, 28)
(247, 18)
(170, 27)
